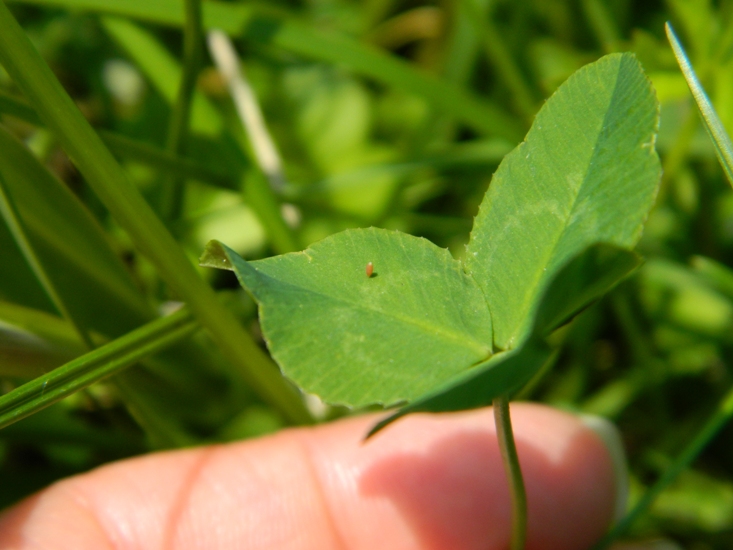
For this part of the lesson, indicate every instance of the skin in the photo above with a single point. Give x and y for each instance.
(428, 482)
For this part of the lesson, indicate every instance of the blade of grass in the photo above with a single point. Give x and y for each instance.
(461, 52)
(478, 114)
(162, 70)
(103, 173)
(94, 366)
(88, 274)
(14, 223)
(602, 24)
(710, 429)
(225, 57)
(160, 67)
(462, 44)
(678, 154)
(268, 209)
(164, 431)
(35, 342)
(263, 23)
(47, 326)
(25, 355)
(140, 151)
(71, 245)
(258, 193)
(61, 425)
(173, 187)
(499, 56)
(720, 276)
(16, 107)
(721, 140)
(175, 165)
(161, 431)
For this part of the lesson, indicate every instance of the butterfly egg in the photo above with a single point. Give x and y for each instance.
(369, 269)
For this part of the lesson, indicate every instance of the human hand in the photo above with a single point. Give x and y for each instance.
(428, 482)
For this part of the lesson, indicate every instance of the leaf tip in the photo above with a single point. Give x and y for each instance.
(215, 255)
(675, 43)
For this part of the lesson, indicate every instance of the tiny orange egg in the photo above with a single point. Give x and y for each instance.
(369, 269)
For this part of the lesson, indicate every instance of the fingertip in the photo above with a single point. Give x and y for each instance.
(428, 481)
(438, 480)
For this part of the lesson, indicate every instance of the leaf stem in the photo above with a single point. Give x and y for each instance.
(514, 471)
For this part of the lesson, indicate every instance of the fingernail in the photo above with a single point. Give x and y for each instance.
(610, 435)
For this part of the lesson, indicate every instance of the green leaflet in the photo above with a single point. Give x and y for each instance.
(587, 172)
(579, 283)
(358, 340)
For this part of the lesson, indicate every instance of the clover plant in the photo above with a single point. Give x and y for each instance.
(371, 316)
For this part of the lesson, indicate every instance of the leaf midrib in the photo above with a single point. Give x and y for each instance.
(449, 335)
(531, 290)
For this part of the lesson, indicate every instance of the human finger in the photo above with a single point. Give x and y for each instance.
(431, 482)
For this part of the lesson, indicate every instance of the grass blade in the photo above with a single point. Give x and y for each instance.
(173, 186)
(261, 196)
(70, 245)
(212, 171)
(248, 21)
(94, 366)
(162, 70)
(217, 175)
(14, 223)
(714, 424)
(104, 174)
(714, 126)
(162, 431)
(248, 108)
(501, 58)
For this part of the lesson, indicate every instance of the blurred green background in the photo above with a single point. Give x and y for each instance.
(386, 113)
